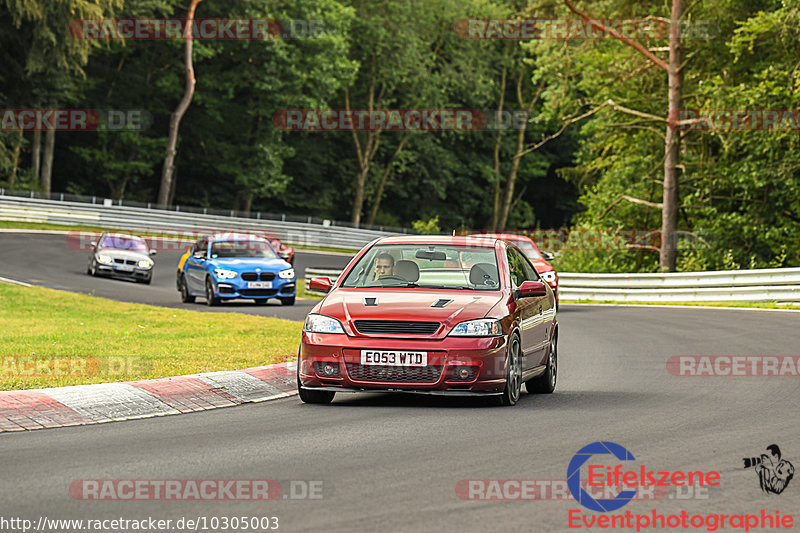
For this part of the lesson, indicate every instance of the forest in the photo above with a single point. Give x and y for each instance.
(618, 119)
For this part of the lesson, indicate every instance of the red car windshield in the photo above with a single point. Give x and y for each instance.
(124, 243)
(426, 266)
(249, 248)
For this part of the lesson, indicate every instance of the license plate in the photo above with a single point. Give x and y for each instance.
(259, 284)
(124, 268)
(393, 358)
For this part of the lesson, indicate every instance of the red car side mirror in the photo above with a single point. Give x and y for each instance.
(531, 288)
(320, 284)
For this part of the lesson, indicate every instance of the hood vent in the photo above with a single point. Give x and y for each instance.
(442, 302)
(370, 301)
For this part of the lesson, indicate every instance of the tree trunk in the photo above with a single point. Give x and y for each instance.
(12, 179)
(358, 199)
(364, 161)
(669, 214)
(370, 148)
(173, 187)
(36, 154)
(117, 189)
(174, 122)
(497, 143)
(244, 202)
(669, 211)
(384, 178)
(47, 164)
(512, 177)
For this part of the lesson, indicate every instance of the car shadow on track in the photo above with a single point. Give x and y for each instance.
(595, 401)
(401, 400)
(568, 400)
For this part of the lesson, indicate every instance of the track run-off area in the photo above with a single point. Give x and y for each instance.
(375, 462)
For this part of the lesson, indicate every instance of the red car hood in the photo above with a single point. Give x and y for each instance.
(542, 266)
(408, 304)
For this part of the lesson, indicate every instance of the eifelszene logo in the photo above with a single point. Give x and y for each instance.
(597, 461)
(574, 476)
(606, 476)
(774, 473)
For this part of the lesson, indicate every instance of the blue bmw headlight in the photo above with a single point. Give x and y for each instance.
(322, 324)
(286, 274)
(221, 273)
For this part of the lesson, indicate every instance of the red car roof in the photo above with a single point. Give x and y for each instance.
(458, 240)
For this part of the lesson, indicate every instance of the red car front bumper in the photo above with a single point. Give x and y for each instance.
(455, 365)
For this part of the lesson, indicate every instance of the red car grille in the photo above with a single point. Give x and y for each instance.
(419, 374)
(397, 327)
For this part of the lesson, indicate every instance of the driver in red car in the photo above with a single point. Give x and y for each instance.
(384, 266)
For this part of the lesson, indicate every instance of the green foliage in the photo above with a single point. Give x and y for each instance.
(427, 227)
(739, 190)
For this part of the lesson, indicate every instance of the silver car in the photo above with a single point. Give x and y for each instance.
(117, 254)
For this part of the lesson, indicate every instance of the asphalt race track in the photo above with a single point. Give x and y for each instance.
(393, 462)
(48, 261)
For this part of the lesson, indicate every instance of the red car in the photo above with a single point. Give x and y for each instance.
(531, 251)
(431, 314)
(285, 252)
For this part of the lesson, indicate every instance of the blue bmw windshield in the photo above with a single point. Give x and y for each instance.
(243, 248)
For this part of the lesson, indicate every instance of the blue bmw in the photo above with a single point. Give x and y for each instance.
(229, 266)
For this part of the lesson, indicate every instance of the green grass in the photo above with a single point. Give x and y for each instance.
(13, 224)
(77, 339)
(745, 305)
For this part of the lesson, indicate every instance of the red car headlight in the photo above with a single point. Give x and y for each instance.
(484, 327)
(322, 324)
(550, 277)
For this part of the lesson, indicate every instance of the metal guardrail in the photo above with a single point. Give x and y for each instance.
(331, 273)
(143, 219)
(253, 215)
(766, 285)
